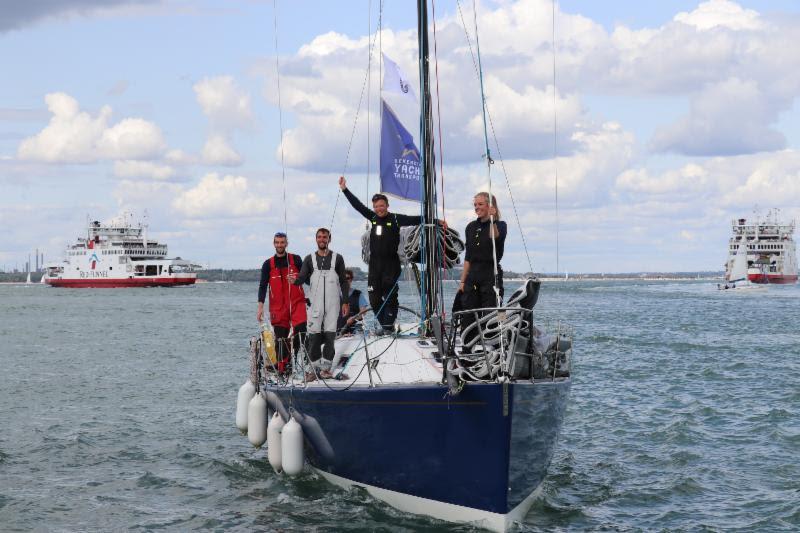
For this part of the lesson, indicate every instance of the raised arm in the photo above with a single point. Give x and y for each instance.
(366, 212)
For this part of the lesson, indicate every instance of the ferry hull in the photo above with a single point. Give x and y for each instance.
(477, 457)
(776, 279)
(111, 283)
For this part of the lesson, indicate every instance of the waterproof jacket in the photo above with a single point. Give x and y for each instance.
(384, 235)
(284, 298)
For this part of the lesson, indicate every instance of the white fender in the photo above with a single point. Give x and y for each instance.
(246, 393)
(292, 454)
(257, 420)
(274, 430)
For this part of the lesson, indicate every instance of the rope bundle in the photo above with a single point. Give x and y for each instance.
(509, 342)
(411, 241)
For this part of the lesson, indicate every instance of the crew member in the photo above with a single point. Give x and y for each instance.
(324, 271)
(384, 263)
(347, 325)
(479, 287)
(287, 302)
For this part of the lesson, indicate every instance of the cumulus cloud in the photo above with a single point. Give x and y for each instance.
(17, 15)
(75, 136)
(727, 118)
(721, 183)
(228, 109)
(721, 13)
(137, 195)
(727, 62)
(224, 103)
(226, 197)
(143, 169)
(584, 177)
(217, 151)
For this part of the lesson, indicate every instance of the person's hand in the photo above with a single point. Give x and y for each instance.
(492, 211)
(342, 183)
(292, 277)
(351, 320)
(443, 224)
(260, 313)
(345, 309)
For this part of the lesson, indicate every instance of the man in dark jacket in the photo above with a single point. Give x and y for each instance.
(287, 303)
(348, 325)
(384, 263)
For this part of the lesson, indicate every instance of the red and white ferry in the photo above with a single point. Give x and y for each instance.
(118, 255)
(771, 254)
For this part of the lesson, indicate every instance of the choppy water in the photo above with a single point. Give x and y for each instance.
(117, 413)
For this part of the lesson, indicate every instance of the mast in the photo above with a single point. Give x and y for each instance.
(431, 273)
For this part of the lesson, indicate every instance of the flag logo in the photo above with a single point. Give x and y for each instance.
(400, 161)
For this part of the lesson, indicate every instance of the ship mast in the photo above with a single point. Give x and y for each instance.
(431, 273)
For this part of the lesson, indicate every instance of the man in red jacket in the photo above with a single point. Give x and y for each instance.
(287, 302)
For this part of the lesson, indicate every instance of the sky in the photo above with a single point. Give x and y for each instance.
(220, 123)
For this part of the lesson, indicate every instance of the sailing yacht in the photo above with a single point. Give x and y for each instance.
(737, 278)
(432, 421)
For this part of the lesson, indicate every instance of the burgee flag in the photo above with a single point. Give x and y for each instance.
(394, 81)
(400, 168)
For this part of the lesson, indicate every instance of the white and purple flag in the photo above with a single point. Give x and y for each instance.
(395, 81)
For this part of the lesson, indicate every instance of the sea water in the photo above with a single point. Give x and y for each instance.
(117, 413)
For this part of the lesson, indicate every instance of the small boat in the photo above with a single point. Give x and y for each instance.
(737, 277)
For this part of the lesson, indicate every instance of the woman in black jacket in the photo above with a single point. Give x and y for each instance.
(482, 278)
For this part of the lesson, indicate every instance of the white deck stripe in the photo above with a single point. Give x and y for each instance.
(441, 510)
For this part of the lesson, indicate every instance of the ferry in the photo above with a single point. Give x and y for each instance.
(771, 253)
(118, 254)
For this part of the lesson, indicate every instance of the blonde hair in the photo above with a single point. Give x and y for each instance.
(491, 200)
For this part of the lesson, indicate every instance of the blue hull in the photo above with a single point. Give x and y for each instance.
(484, 449)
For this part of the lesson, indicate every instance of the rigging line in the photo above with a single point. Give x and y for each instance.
(369, 88)
(496, 142)
(283, 165)
(489, 161)
(355, 124)
(555, 134)
(369, 83)
(441, 149)
(280, 109)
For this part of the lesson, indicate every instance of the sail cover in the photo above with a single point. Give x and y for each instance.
(400, 168)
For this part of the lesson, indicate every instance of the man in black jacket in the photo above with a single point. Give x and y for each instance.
(384, 263)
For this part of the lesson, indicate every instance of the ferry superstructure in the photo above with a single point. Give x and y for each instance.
(771, 252)
(118, 254)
